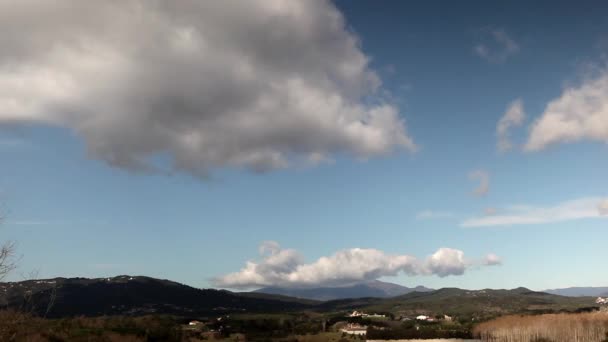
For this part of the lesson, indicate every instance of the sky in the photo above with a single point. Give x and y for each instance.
(243, 144)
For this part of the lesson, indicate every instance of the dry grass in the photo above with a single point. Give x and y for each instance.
(584, 327)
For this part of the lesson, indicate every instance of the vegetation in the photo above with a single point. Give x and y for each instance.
(420, 330)
(475, 306)
(583, 327)
(17, 326)
(7, 256)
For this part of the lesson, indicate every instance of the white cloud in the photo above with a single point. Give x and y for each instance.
(513, 117)
(522, 214)
(483, 177)
(492, 260)
(490, 211)
(286, 268)
(580, 113)
(602, 207)
(496, 46)
(445, 262)
(432, 214)
(260, 84)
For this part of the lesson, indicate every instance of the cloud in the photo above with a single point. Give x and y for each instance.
(513, 117)
(484, 182)
(286, 268)
(445, 262)
(209, 84)
(602, 207)
(490, 211)
(492, 260)
(496, 46)
(431, 214)
(580, 113)
(523, 214)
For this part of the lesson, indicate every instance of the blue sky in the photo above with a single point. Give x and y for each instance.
(79, 203)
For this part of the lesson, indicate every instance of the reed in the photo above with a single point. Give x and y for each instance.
(583, 327)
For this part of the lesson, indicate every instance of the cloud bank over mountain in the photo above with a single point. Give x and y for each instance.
(208, 84)
(287, 268)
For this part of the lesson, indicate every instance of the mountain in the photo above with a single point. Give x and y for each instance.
(136, 295)
(580, 291)
(373, 289)
(127, 295)
(480, 303)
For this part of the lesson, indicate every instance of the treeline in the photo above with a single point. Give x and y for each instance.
(415, 330)
(18, 326)
(583, 327)
(262, 328)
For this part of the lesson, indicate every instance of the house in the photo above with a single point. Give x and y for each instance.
(422, 318)
(354, 329)
(601, 301)
(448, 318)
(375, 315)
(356, 314)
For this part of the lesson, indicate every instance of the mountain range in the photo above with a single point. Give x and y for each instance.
(138, 295)
(580, 291)
(376, 289)
(132, 295)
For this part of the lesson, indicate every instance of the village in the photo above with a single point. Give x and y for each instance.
(360, 329)
(356, 324)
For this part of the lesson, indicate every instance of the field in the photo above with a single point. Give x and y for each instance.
(584, 327)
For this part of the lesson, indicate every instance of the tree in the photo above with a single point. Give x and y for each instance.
(7, 260)
(7, 257)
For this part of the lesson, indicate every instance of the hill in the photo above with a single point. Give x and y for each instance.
(373, 289)
(480, 303)
(136, 296)
(127, 295)
(580, 291)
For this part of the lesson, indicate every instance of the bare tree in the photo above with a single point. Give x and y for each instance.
(7, 257)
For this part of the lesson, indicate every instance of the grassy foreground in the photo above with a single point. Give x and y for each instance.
(583, 327)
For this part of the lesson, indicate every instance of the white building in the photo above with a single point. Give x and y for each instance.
(422, 318)
(354, 329)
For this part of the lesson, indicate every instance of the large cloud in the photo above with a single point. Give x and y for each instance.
(255, 84)
(513, 117)
(286, 268)
(580, 112)
(582, 208)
